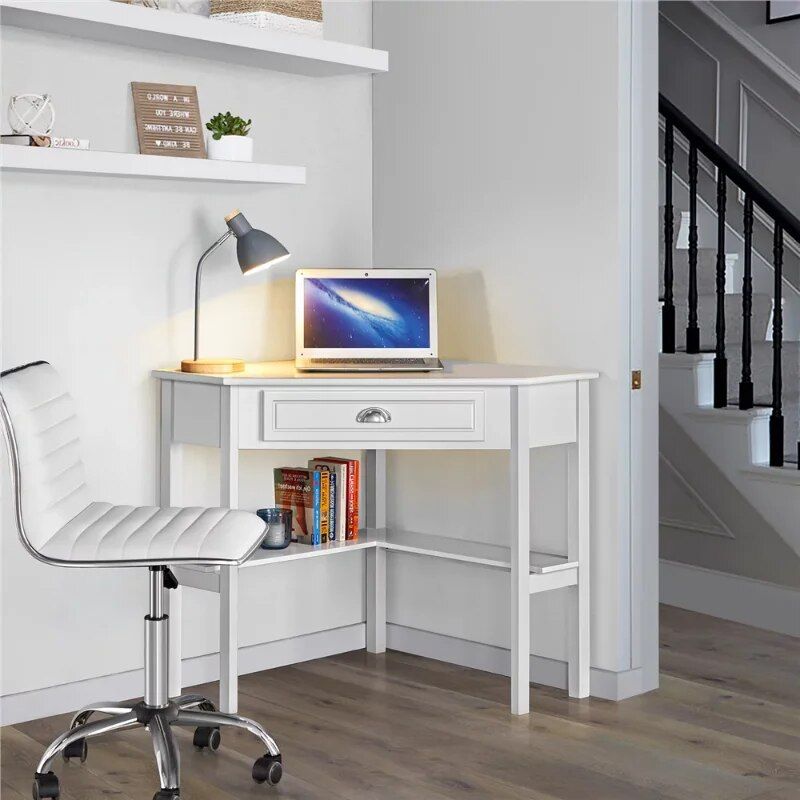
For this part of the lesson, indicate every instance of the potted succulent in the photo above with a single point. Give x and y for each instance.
(229, 140)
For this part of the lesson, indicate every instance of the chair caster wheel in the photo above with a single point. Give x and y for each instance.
(268, 769)
(77, 749)
(167, 794)
(45, 785)
(207, 737)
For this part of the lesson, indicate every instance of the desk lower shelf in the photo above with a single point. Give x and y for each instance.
(547, 571)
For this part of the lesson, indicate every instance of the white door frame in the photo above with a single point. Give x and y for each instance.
(638, 184)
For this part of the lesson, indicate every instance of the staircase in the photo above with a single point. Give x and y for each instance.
(761, 362)
(728, 377)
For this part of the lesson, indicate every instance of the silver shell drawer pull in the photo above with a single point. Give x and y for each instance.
(374, 414)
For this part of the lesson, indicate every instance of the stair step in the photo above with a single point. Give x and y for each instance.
(762, 387)
(761, 370)
(785, 474)
(707, 319)
(706, 271)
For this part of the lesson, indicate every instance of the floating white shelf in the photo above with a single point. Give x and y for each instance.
(192, 35)
(93, 162)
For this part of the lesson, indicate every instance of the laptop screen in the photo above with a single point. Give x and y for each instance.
(362, 313)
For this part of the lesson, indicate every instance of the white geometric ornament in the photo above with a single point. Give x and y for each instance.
(31, 114)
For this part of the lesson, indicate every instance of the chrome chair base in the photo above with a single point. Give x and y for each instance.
(189, 710)
(158, 713)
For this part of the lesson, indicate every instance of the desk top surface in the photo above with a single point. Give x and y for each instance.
(459, 373)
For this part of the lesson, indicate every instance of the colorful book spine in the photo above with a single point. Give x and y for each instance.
(316, 487)
(353, 478)
(338, 468)
(332, 508)
(324, 504)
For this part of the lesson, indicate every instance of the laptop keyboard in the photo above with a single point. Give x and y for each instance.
(413, 362)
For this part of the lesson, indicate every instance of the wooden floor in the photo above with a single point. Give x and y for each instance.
(725, 724)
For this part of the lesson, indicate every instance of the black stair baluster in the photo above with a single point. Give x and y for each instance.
(720, 360)
(776, 418)
(746, 383)
(668, 309)
(693, 331)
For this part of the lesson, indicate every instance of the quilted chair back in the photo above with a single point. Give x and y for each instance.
(40, 428)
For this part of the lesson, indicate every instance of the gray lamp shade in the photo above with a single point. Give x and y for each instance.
(255, 249)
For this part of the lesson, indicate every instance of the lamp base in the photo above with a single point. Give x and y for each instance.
(216, 366)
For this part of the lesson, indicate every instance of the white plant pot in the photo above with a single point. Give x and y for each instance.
(230, 148)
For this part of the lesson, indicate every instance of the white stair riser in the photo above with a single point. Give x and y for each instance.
(761, 375)
(734, 440)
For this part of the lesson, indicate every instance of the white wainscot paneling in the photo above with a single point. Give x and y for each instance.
(689, 76)
(768, 142)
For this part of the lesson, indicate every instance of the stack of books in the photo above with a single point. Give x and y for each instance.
(324, 499)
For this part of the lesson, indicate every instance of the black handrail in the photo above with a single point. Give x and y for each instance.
(784, 223)
(733, 171)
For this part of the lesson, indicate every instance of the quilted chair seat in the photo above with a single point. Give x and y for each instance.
(106, 533)
(60, 521)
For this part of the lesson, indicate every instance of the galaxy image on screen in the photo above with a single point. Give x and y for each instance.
(366, 312)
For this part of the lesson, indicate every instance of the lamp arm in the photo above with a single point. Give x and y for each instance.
(225, 236)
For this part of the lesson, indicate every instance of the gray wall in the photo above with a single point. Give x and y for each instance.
(106, 322)
(755, 116)
(751, 112)
(497, 161)
(782, 39)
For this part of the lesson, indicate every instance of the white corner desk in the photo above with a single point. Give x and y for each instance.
(468, 406)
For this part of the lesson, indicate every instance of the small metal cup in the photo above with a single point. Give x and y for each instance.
(279, 527)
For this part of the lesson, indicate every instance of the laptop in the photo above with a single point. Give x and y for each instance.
(366, 320)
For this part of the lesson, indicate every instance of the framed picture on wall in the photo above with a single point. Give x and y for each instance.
(782, 11)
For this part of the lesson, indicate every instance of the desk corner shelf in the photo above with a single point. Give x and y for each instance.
(399, 541)
(492, 407)
(192, 35)
(97, 162)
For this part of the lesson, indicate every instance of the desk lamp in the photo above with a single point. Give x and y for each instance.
(255, 250)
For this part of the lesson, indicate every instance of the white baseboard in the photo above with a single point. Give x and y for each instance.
(732, 597)
(550, 672)
(68, 697)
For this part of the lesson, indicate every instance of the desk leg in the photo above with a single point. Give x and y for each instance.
(520, 552)
(169, 477)
(229, 576)
(579, 645)
(375, 517)
(229, 639)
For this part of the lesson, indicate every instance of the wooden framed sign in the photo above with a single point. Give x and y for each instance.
(168, 120)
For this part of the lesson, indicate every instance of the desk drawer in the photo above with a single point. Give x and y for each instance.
(376, 415)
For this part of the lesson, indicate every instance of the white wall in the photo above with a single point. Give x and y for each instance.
(497, 161)
(97, 277)
(500, 148)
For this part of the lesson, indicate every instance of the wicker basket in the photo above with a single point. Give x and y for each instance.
(289, 16)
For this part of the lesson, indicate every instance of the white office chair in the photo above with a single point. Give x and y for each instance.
(58, 523)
